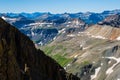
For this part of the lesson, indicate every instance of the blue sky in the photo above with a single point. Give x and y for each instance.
(58, 6)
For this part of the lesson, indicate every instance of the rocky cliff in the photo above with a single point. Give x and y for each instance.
(20, 60)
(113, 20)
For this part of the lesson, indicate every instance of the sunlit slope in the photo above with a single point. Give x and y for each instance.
(90, 54)
(104, 32)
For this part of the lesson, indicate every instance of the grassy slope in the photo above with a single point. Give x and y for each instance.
(61, 59)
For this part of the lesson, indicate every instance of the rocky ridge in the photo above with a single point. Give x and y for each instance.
(113, 20)
(20, 60)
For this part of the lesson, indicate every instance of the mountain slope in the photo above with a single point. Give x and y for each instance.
(113, 20)
(20, 60)
(104, 32)
(94, 53)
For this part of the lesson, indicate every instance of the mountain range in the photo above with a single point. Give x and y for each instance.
(84, 44)
(42, 28)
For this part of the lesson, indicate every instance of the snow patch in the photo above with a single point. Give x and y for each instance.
(54, 38)
(110, 70)
(109, 62)
(40, 43)
(84, 48)
(93, 62)
(96, 73)
(61, 31)
(81, 32)
(75, 56)
(3, 17)
(99, 37)
(39, 24)
(67, 66)
(33, 34)
(101, 64)
(81, 45)
(69, 22)
(10, 19)
(118, 38)
(71, 35)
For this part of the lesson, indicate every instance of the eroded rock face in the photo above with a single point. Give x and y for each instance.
(20, 60)
(113, 20)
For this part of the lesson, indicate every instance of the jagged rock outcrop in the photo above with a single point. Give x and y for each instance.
(20, 60)
(113, 20)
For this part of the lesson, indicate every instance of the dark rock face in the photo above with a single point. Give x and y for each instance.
(22, 22)
(113, 20)
(44, 35)
(20, 60)
(85, 72)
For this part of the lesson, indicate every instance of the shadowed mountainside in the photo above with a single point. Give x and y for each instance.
(20, 60)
